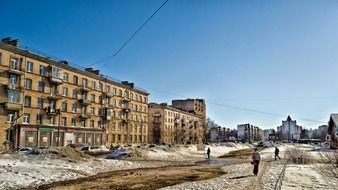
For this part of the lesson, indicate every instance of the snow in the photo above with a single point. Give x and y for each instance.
(306, 177)
(17, 171)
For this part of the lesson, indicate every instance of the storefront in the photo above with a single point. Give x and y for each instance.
(49, 136)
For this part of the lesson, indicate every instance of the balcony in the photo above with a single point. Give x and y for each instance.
(55, 80)
(84, 89)
(83, 116)
(51, 111)
(13, 106)
(85, 102)
(15, 71)
(156, 122)
(12, 86)
(126, 110)
(156, 115)
(109, 94)
(55, 96)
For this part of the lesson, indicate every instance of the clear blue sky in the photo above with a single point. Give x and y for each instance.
(272, 56)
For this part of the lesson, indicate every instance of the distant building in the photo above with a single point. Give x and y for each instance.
(289, 130)
(332, 131)
(170, 125)
(269, 135)
(248, 133)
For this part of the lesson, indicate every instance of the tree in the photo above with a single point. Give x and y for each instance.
(210, 123)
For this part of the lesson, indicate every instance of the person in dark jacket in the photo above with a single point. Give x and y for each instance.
(276, 153)
(256, 157)
(208, 152)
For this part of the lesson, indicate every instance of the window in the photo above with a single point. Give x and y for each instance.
(39, 119)
(73, 122)
(29, 66)
(93, 85)
(107, 88)
(84, 82)
(83, 110)
(15, 63)
(26, 118)
(99, 112)
(28, 84)
(0, 58)
(13, 96)
(64, 106)
(28, 101)
(75, 80)
(56, 72)
(92, 123)
(92, 111)
(42, 70)
(108, 100)
(51, 120)
(92, 98)
(100, 86)
(114, 102)
(10, 117)
(63, 121)
(99, 124)
(100, 99)
(74, 108)
(144, 100)
(65, 91)
(113, 126)
(83, 123)
(114, 91)
(40, 103)
(74, 93)
(120, 92)
(13, 79)
(65, 77)
(41, 87)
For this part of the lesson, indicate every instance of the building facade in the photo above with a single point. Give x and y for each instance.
(168, 125)
(248, 133)
(289, 130)
(44, 102)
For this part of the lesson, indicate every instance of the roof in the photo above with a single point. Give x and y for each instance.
(73, 67)
(334, 118)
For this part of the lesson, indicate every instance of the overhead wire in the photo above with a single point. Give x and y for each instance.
(131, 37)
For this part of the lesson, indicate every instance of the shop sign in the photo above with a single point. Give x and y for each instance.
(30, 139)
(46, 129)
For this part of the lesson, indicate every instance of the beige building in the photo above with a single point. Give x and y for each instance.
(44, 102)
(170, 125)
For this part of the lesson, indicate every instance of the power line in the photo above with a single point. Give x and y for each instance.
(131, 37)
(243, 109)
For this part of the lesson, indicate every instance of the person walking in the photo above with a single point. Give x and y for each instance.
(208, 152)
(256, 157)
(277, 153)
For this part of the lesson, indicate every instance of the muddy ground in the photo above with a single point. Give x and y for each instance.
(139, 178)
(152, 178)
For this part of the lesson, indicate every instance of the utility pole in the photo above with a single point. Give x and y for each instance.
(58, 111)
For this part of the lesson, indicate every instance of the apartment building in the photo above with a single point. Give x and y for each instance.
(289, 130)
(249, 133)
(44, 102)
(170, 125)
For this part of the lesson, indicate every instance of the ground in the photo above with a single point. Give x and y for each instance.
(180, 167)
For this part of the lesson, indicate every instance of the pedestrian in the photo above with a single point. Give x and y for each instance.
(111, 146)
(256, 157)
(208, 153)
(276, 153)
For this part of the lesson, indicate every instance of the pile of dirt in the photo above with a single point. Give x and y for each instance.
(71, 153)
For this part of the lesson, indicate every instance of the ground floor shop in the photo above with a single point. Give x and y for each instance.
(50, 136)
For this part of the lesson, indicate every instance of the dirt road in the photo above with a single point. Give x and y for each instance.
(153, 178)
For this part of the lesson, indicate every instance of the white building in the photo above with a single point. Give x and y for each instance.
(289, 130)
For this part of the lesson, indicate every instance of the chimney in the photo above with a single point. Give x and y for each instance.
(89, 69)
(10, 41)
(64, 62)
(131, 85)
(97, 72)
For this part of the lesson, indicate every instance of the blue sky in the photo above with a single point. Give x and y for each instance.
(277, 57)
